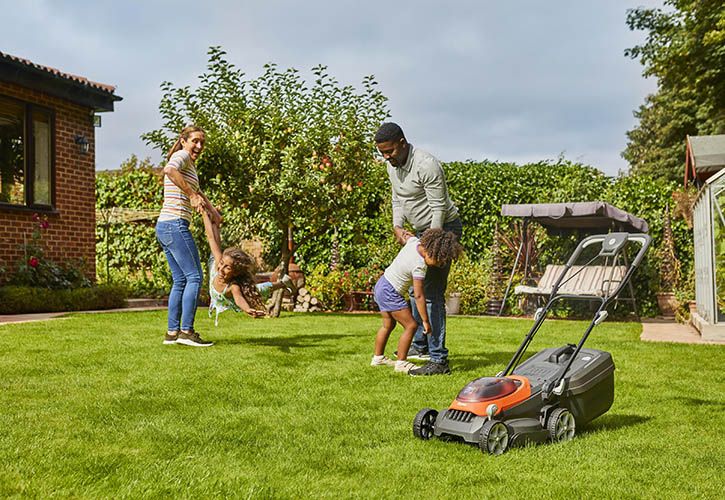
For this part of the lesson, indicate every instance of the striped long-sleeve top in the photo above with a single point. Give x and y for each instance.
(176, 203)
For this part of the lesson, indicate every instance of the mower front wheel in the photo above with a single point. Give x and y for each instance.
(424, 423)
(562, 425)
(495, 437)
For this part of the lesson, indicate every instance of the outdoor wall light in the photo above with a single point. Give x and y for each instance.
(82, 144)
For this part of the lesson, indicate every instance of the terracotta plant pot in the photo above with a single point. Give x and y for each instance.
(453, 304)
(667, 303)
(692, 305)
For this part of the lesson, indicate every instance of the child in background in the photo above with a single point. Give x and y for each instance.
(436, 247)
(231, 278)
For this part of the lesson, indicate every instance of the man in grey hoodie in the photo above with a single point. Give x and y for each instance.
(420, 197)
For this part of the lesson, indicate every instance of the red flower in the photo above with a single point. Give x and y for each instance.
(359, 184)
(33, 262)
(36, 217)
(44, 224)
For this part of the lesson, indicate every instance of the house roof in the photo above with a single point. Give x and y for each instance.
(75, 88)
(705, 156)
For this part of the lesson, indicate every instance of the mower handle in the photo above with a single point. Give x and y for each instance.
(612, 243)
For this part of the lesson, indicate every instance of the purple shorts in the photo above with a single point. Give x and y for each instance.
(387, 297)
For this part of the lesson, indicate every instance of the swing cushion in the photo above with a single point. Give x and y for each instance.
(595, 281)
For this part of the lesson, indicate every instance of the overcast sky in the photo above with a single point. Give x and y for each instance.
(512, 80)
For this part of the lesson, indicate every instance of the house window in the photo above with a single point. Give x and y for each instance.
(26, 155)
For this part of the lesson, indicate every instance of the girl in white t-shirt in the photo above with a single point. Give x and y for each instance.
(436, 247)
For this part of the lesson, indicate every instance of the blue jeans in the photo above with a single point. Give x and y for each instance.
(434, 287)
(183, 258)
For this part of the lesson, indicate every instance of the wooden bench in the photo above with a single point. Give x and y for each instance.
(594, 281)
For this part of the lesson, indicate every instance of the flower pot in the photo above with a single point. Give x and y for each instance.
(453, 303)
(692, 305)
(667, 304)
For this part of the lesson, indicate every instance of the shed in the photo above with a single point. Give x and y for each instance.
(709, 233)
(705, 156)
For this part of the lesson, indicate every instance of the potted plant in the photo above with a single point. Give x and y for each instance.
(669, 267)
(685, 295)
(453, 303)
(495, 285)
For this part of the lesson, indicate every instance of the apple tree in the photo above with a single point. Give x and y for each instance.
(281, 154)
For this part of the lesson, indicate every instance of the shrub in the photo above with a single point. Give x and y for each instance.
(23, 299)
(128, 252)
(36, 270)
(328, 286)
(331, 287)
(144, 284)
(365, 238)
(470, 279)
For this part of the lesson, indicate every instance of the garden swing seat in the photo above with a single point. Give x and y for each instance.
(584, 281)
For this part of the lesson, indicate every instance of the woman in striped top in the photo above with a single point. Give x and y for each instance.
(182, 197)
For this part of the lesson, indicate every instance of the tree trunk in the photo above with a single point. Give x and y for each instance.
(284, 269)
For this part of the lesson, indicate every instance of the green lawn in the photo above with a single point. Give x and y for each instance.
(95, 406)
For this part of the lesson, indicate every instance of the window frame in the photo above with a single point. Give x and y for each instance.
(29, 160)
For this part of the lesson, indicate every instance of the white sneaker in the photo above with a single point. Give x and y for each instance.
(382, 361)
(289, 284)
(404, 366)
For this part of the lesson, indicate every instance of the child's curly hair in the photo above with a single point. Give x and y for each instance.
(243, 269)
(441, 245)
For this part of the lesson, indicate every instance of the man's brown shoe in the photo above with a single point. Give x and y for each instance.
(171, 337)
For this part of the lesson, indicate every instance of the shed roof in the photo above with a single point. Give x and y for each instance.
(74, 88)
(705, 156)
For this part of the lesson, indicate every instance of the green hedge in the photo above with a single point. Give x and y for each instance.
(24, 300)
(478, 188)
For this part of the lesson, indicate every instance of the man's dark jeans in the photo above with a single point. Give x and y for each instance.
(436, 280)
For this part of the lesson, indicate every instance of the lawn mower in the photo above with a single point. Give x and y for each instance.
(549, 395)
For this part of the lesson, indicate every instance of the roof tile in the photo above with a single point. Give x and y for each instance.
(61, 74)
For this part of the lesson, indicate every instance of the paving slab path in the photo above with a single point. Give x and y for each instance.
(25, 318)
(668, 330)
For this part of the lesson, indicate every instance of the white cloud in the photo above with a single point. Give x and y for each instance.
(517, 80)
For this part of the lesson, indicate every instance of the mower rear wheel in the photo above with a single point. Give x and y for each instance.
(562, 425)
(495, 437)
(424, 423)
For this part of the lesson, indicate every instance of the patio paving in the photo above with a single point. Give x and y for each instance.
(25, 318)
(668, 330)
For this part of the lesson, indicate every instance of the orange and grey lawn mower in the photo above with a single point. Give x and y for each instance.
(549, 395)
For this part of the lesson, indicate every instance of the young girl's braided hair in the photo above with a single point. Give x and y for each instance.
(441, 245)
(243, 267)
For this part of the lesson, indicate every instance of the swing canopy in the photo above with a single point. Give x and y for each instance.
(587, 215)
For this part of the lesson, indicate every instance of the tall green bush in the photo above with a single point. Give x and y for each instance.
(480, 188)
(364, 238)
(129, 250)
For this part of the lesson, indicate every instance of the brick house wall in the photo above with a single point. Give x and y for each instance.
(71, 234)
